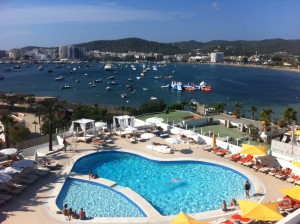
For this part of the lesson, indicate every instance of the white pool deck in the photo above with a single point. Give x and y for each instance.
(36, 204)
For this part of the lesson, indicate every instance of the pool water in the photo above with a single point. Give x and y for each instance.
(96, 199)
(198, 186)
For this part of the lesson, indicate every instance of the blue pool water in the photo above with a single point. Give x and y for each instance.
(201, 186)
(96, 199)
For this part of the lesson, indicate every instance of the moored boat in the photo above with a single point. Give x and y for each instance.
(59, 78)
(66, 86)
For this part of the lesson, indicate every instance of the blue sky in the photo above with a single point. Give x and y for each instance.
(61, 22)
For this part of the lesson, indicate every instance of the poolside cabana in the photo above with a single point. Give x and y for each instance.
(123, 121)
(87, 127)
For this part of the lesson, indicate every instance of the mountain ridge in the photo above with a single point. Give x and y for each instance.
(237, 47)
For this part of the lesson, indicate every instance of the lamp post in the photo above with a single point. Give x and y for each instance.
(35, 123)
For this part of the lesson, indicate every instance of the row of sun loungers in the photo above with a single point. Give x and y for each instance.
(18, 181)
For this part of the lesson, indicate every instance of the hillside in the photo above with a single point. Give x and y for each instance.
(131, 44)
(239, 47)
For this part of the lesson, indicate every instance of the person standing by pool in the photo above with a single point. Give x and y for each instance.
(247, 188)
(65, 143)
(82, 214)
(224, 206)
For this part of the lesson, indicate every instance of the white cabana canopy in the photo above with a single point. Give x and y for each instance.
(86, 125)
(123, 121)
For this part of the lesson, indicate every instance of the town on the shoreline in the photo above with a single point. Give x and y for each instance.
(226, 54)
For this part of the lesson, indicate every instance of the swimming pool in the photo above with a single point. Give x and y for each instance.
(201, 186)
(96, 199)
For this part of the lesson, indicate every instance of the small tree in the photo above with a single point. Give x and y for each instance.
(289, 115)
(253, 110)
(219, 107)
(7, 122)
(18, 133)
(237, 109)
(265, 116)
(48, 108)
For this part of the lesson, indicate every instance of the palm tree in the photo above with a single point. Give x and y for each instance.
(7, 122)
(48, 108)
(265, 116)
(237, 109)
(219, 107)
(253, 110)
(289, 115)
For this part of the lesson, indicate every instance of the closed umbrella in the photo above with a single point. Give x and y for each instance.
(176, 131)
(8, 151)
(35, 157)
(255, 150)
(263, 212)
(293, 192)
(214, 141)
(183, 218)
(147, 135)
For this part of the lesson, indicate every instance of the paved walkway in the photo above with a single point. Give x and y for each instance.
(31, 206)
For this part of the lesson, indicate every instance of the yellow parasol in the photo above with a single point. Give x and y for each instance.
(262, 212)
(214, 141)
(293, 192)
(183, 218)
(297, 164)
(254, 150)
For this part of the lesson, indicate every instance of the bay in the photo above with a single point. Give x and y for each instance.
(248, 85)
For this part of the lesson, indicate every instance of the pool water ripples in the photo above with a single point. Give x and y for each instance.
(197, 187)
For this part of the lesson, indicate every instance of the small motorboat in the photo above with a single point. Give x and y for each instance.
(166, 86)
(108, 88)
(59, 78)
(77, 80)
(145, 89)
(98, 80)
(111, 77)
(153, 98)
(123, 95)
(66, 86)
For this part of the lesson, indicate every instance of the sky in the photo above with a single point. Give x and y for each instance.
(53, 23)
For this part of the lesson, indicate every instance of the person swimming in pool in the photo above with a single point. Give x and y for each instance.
(176, 179)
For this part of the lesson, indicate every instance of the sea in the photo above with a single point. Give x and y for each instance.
(251, 86)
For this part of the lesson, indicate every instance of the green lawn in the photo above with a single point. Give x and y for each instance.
(221, 131)
(176, 116)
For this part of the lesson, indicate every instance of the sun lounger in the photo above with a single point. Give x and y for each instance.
(15, 185)
(5, 196)
(292, 179)
(9, 190)
(265, 170)
(275, 171)
(249, 164)
(235, 157)
(284, 174)
(248, 158)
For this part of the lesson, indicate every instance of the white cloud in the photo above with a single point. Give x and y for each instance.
(215, 6)
(81, 13)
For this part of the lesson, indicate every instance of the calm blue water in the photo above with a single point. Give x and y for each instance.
(250, 86)
(97, 200)
(201, 186)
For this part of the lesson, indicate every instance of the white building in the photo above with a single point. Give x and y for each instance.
(216, 57)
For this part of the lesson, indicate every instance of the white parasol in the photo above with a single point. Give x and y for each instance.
(10, 170)
(35, 157)
(188, 133)
(176, 131)
(8, 151)
(147, 135)
(129, 128)
(4, 178)
(23, 163)
(154, 120)
(173, 141)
